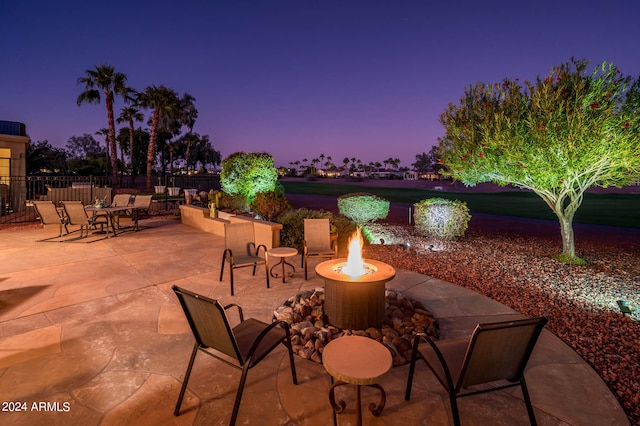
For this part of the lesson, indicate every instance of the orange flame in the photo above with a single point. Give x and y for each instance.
(355, 263)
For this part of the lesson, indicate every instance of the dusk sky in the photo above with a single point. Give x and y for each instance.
(343, 78)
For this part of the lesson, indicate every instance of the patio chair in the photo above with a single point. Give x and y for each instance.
(141, 203)
(77, 216)
(240, 249)
(496, 352)
(49, 215)
(120, 200)
(241, 347)
(317, 241)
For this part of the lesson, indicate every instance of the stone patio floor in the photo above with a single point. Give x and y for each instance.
(93, 334)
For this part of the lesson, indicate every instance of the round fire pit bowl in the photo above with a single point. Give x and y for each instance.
(355, 302)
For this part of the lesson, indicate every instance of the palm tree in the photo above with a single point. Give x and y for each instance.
(105, 80)
(164, 104)
(105, 132)
(187, 115)
(129, 115)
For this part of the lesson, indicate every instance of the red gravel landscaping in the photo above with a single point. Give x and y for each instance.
(509, 260)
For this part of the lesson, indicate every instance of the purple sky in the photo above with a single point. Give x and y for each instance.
(343, 78)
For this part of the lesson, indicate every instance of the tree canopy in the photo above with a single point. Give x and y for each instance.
(247, 174)
(557, 136)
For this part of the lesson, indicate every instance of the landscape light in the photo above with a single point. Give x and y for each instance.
(622, 304)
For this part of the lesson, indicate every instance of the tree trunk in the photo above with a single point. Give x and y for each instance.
(152, 146)
(131, 132)
(568, 244)
(112, 140)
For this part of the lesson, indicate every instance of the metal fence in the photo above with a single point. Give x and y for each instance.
(18, 192)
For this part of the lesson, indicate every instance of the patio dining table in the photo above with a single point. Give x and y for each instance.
(112, 214)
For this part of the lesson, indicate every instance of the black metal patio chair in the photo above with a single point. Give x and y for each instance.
(496, 352)
(241, 347)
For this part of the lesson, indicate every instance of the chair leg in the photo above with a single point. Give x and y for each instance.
(454, 409)
(527, 401)
(231, 275)
(305, 261)
(176, 411)
(287, 343)
(266, 269)
(412, 369)
(222, 267)
(236, 404)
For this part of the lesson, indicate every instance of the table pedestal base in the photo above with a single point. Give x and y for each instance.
(283, 263)
(376, 409)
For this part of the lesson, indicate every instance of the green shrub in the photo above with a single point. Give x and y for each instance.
(231, 202)
(292, 234)
(269, 205)
(362, 207)
(247, 174)
(441, 218)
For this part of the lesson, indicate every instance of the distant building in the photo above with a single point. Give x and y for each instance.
(13, 166)
(410, 175)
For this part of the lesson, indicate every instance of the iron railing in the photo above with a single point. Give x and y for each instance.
(18, 192)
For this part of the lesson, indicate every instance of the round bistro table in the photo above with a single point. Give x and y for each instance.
(282, 253)
(359, 361)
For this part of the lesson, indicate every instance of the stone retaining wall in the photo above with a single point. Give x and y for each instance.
(267, 233)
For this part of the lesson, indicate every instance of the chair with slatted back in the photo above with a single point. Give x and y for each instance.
(121, 200)
(497, 353)
(242, 346)
(77, 216)
(240, 249)
(49, 215)
(141, 203)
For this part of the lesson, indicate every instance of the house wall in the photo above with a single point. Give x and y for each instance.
(13, 164)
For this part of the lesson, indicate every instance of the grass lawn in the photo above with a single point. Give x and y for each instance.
(600, 209)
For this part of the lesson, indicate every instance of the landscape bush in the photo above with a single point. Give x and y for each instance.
(292, 234)
(269, 205)
(362, 207)
(247, 174)
(441, 218)
(231, 202)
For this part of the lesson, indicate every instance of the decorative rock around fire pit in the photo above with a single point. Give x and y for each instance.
(310, 331)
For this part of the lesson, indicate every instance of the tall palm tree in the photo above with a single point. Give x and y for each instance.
(104, 79)
(187, 115)
(105, 132)
(129, 115)
(164, 104)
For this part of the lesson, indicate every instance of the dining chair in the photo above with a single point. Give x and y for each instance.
(241, 346)
(497, 353)
(49, 214)
(317, 241)
(121, 200)
(141, 203)
(240, 249)
(77, 216)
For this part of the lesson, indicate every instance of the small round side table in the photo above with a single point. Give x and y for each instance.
(282, 253)
(359, 361)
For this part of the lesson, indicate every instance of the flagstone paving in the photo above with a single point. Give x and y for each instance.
(91, 334)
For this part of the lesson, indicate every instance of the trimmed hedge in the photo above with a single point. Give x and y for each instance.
(441, 218)
(362, 207)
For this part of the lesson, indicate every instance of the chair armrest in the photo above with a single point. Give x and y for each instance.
(443, 362)
(259, 247)
(266, 331)
(231, 305)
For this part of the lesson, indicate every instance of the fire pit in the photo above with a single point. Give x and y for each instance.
(354, 288)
